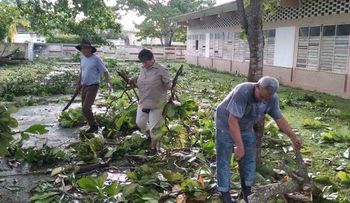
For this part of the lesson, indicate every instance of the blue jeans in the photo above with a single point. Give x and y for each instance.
(224, 150)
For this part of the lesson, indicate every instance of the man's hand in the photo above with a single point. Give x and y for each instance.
(297, 142)
(77, 89)
(239, 152)
(109, 86)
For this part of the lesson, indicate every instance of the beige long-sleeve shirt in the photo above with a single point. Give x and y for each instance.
(153, 84)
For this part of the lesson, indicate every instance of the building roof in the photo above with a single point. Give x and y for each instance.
(216, 10)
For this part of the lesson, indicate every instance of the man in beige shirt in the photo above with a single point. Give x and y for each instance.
(153, 82)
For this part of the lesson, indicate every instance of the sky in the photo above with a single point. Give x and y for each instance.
(128, 19)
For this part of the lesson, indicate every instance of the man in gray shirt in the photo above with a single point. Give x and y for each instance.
(91, 69)
(235, 117)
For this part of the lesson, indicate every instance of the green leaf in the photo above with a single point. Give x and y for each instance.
(42, 196)
(101, 180)
(132, 176)
(343, 176)
(112, 189)
(173, 177)
(322, 179)
(24, 136)
(13, 123)
(88, 184)
(37, 129)
(129, 189)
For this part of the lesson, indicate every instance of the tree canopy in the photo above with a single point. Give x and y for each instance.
(158, 22)
(85, 18)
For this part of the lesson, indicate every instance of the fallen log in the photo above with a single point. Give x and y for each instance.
(298, 181)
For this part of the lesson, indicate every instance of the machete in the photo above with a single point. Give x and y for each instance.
(243, 186)
(71, 101)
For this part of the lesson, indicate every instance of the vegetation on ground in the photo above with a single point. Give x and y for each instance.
(86, 170)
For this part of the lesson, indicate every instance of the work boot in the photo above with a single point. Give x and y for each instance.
(92, 129)
(226, 197)
(245, 193)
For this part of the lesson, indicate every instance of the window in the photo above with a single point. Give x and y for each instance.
(315, 31)
(304, 32)
(197, 44)
(269, 48)
(241, 48)
(343, 30)
(324, 49)
(328, 30)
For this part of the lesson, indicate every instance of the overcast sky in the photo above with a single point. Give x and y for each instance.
(130, 18)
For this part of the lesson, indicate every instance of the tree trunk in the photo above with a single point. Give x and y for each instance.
(168, 39)
(251, 22)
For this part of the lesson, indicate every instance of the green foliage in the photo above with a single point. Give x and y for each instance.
(44, 193)
(312, 124)
(341, 134)
(71, 118)
(43, 156)
(6, 124)
(344, 177)
(89, 150)
(10, 17)
(159, 22)
(99, 187)
(34, 79)
(46, 17)
(131, 144)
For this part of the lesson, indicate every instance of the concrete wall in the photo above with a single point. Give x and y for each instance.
(121, 52)
(222, 65)
(327, 82)
(282, 74)
(332, 83)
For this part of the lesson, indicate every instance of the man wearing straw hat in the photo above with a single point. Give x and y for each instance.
(91, 69)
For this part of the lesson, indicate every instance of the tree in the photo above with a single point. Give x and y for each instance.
(10, 18)
(251, 19)
(158, 22)
(87, 19)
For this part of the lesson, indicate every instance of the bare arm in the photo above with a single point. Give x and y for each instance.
(285, 128)
(235, 132)
(78, 85)
(107, 79)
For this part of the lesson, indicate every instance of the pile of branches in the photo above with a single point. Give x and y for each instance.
(13, 58)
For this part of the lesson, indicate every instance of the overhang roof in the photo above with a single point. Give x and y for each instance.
(216, 10)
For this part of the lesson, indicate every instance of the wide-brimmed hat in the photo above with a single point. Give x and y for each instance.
(85, 43)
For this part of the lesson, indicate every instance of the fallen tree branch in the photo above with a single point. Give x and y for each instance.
(125, 77)
(3, 51)
(299, 181)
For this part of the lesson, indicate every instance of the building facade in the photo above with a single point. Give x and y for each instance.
(306, 43)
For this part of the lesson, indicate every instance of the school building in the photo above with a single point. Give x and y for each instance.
(306, 43)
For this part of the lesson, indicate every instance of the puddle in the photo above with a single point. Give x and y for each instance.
(46, 115)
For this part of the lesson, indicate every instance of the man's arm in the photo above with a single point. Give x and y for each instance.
(285, 128)
(107, 80)
(78, 85)
(235, 132)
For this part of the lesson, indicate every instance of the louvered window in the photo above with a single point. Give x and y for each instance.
(269, 48)
(241, 48)
(325, 49)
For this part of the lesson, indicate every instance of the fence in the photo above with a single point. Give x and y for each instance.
(66, 51)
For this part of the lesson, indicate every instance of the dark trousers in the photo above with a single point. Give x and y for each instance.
(88, 95)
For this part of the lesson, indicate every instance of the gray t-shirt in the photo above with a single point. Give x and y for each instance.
(91, 69)
(241, 104)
